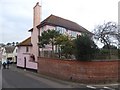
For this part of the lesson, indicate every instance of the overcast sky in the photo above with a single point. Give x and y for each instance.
(16, 16)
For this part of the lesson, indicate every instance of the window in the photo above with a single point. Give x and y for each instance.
(61, 30)
(74, 34)
(27, 49)
(41, 30)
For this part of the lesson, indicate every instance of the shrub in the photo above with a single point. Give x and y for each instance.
(85, 48)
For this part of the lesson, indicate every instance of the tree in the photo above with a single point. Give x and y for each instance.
(13, 43)
(48, 37)
(43, 39)
(52, 34)
(85, 48)
(106, 34)
(2, 44)
(65, 46)
(17, 43)
(9, 44)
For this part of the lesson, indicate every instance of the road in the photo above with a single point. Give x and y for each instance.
(13, 79)
(17, 78)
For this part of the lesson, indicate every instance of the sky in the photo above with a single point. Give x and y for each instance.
(16, 16)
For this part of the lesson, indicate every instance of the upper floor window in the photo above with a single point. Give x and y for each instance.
(41, 30)
(74, 34)
(61, 30)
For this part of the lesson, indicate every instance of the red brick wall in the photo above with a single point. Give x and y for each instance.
(84, 72)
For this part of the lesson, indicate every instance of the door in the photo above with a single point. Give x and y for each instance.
(24, 62)
(15, 59)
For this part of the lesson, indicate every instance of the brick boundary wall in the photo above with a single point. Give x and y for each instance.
(78, 71)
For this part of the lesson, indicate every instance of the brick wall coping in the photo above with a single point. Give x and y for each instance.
(106, 60)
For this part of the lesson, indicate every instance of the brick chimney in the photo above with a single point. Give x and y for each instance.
(35, 32)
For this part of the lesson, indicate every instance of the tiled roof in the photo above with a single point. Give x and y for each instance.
(26, 42)
(9, 49)
(58, 21)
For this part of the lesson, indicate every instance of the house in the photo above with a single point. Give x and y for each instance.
(28, 50)
(1, 50)
(25, 58)
(0, 53)
(9, 53)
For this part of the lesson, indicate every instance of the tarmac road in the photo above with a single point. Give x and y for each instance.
(13, 78)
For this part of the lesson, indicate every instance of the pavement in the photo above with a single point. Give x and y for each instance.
(114, 86)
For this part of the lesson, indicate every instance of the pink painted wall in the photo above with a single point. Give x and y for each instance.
(35, 32)
(32, 65)
(45, 28)
(50, 27)
(34, 41)
(20, 58)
